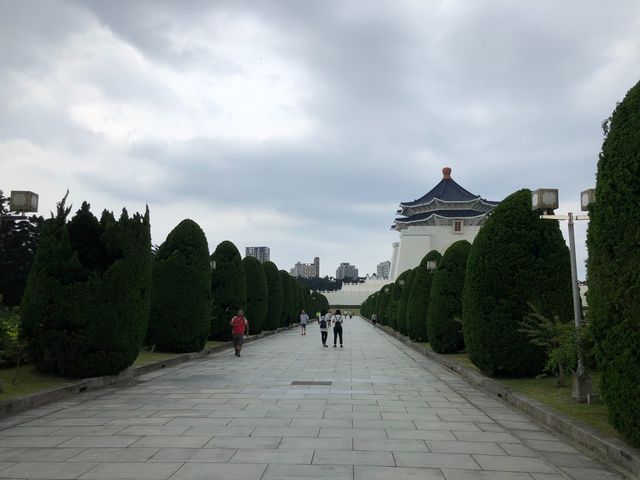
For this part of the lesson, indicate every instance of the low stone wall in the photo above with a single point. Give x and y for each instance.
(38, 399)
(608, 449)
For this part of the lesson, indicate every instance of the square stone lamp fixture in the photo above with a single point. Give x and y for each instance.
(23, 201)
(544, 199)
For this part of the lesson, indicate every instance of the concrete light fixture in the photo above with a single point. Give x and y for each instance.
(544, 199)
(23, 201)
(432, 265)
(587, 198)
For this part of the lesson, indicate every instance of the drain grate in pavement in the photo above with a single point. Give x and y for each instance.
(304, 382)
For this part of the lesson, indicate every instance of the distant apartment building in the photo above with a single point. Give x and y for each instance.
(383, 269)
(261, 253)
(306, 270)
(345, 270)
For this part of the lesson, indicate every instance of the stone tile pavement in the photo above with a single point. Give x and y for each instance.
(388, 414)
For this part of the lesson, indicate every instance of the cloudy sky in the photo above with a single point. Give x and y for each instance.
(301, 125)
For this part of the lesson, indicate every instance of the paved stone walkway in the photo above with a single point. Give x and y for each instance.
(388, 414)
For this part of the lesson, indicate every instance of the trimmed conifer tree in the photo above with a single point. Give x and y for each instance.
(85, 309)
(274, 303)
(401, 321)
(394, 304)
(517, 260)
(287, 297)
(228, 288)
(613, 266)
(257, 295)
(444, 317)
(180, 316)
(383, 303)
(419, 298)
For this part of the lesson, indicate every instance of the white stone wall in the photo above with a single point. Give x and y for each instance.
(355, 293)
(417, 241)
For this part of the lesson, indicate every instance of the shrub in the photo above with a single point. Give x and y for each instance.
(444, 318)
(88, 319)
(180, 316)
(614, 263)
(561, 342)
(516, 259)
(419, 298)
(228, 288)
(256, 307)
(274, 303)
(12, 346)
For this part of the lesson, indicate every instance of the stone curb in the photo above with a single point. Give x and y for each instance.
(38, 399)
(608, 449)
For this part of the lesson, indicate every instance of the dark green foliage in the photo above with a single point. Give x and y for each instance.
(614, 265)
(322, 303)
(419, 298)
(401, 320)
(394, 303)
(383, 303)
(444, 317)
(12, 345)
(84, 320)
(517, 259)
(18, 243)
(287, 297)
(274, 304)
(228, 288)
(256, 307)
(180, 316)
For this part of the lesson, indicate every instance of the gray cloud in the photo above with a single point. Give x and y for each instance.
(134, 97)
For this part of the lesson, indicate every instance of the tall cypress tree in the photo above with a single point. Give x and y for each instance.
(287, 297)
(85, 309)
(419, 298)
(228, 288)
(516, 260)
(274, 304)
(180, 316)
(444, 318)
(401, 320)
(614, 263)
(257, 295)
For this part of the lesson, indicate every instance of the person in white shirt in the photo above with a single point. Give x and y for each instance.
(304, 319)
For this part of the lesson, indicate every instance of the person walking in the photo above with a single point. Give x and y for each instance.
(337, 320)
(304, 319)
(239, 328)
(374, 319)
(324, 322)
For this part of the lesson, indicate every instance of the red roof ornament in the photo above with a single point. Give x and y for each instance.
(446, 173)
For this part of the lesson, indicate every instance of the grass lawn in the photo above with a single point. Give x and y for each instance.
(546, 391)
(29, 380)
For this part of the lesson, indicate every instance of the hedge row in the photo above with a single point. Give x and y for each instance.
(478, 295)
(96, 292)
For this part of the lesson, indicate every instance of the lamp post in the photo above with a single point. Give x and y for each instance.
(546, 200)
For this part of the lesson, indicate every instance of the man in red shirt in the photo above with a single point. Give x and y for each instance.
(239, 328)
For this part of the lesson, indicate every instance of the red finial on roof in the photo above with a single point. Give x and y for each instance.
(446, 173)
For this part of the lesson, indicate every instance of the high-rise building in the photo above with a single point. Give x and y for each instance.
(261, 253)
(345, 270)
(306, 270)
(383, 269)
